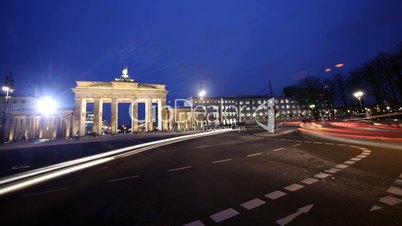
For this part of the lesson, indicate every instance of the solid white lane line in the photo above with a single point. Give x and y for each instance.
(322, 175)
(44, 192)
(181, 168)
(309, 181)
(293, 187)
(342, 166)
(296, 145)
(278, 149)
(390, 200)
(349, 162)
(223, 160)
(395, 190)
(253, 204)
(275, 195)
(195, 223)
(251, 155)
(224, 215)
(123, 178)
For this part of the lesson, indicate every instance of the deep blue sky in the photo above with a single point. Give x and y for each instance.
(231, 47)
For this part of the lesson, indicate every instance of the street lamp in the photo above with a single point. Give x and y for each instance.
(359, 95)
(202, 93)
(8, 87)
(46, 106)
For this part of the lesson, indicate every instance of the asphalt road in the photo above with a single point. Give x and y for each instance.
(229, 179)
(20, 157)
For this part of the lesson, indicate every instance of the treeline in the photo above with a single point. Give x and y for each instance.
(379, 78)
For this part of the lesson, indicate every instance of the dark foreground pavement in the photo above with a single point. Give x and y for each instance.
(227, 179)
(20, 157)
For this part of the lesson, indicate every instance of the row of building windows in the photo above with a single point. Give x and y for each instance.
(243, 102)
(16, 101)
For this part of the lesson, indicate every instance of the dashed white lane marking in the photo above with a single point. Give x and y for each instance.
(181, 168)
(293, 187)
(309, 181)
(349, 162)
(361, 156)
(224, 215)
(395, 197)
(332, 170)
(355, 159)
(44, 192)
(375, 208)
(390, 200)
(251, 155)
(342, 166)
(195, 223)
(123, 178)
(395, 190)
(278, 149)
(296, 145)
(223, 160)
(275, 195)
(253, 204)
(322, 175)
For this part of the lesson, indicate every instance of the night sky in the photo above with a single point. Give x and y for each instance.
(230, 47)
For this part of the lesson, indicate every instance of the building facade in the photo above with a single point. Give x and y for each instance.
(20, 120)
(122, 90)
(247, 110)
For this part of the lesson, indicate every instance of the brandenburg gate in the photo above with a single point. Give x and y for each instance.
(122, 90)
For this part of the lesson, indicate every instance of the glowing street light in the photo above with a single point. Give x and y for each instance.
(202, 93)
(358, 96)
(339, 65)
(8, 87)
(46, 106)
(328, 70)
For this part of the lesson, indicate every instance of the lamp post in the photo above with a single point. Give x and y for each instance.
(312, 106)
(202, 93)
(8, 88)
(358, 96)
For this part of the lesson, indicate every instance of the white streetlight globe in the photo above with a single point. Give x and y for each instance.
(202, 93)
(46, 106)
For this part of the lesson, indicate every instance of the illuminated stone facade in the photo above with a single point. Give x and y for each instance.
(20, 120)
(124, 90)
